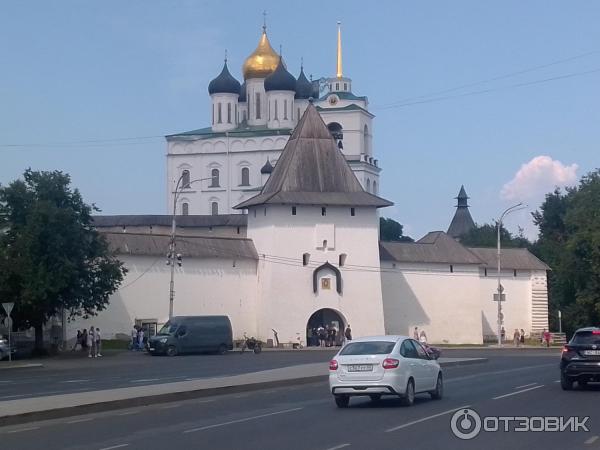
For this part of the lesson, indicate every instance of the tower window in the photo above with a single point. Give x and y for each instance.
(352, 212)
(293, 210)
(245, 176)
(214, 208)
(485, 272)
(451, 268)
(276, 111)
(342, 260)
(374, 187)
(258, 105)
(214, 178)
(228, 112)
(236, 114)
(219, 118)
(368, 185)
(285, 108)
(298, 114)
(337, 86)
(515, 272)
(185, 209)
(213, 114)
(345, 86)
(185, 179)
(323, 211)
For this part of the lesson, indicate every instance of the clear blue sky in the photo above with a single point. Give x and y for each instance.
(82, 70)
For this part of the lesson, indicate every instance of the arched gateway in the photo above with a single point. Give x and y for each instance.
(324, 318)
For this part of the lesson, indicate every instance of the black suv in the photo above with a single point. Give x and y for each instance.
(581, 358)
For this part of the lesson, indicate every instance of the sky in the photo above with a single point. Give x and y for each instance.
(502, 97)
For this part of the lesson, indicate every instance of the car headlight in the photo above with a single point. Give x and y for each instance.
(163, 340)
(4, 341)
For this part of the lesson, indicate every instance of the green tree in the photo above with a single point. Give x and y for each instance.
(486, 235)
(569, 242)
(51, 258)
(390, 230)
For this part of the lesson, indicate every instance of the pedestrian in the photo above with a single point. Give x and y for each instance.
(416, 334)
(134, 337)
(546, 336)
(517, 338)
(522, 338)
(91, 342)
(502, 335)
(322, 336)
(348, 333)
(98, 342)
(423, 337)
(333, 336)
(77, 341)
(329, 335)
(140, 337)
(84, 340)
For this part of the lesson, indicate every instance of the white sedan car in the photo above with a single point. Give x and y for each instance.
(384, 365)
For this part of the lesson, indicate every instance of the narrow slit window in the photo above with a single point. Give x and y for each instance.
(323, 211)
(352, 212)
(293, 210)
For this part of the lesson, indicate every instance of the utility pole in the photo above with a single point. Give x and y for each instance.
(172, 255)
(500, 296)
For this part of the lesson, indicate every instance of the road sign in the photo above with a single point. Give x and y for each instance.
(502, 299)
(8, 307)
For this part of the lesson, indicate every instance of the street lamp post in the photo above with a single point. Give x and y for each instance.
(500, 288)
(172, 255)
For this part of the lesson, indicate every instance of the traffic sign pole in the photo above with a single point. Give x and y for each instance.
(8, 308)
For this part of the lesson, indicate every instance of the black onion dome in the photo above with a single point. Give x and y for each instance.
(280, 80)
(224, 83)
(242, 97)
(267, 168)
(304, 88)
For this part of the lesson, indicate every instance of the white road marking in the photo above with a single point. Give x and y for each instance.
(14, 396)
(5, 381)
(127, 413)
(75, 381)
(518, 392)
(414, 422)
(241, 395)
(23, 429)
(80, 420)
(171, 406)
(285, 411)
(591, 440)
(115, 446)
(525, 385)
(144, 380)
(338, 446)
(557, 381)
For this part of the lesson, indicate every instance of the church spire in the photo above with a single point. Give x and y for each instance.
(339, 72)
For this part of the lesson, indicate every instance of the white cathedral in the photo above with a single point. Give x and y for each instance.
(278, 228)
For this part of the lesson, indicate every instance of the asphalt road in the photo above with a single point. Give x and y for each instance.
(305, 416)
(126, 369)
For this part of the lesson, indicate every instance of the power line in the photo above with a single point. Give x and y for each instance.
(489, 80)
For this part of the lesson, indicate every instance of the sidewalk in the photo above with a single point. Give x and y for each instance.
(54, 406)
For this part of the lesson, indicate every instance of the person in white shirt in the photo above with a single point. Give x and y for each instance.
(141, 339)
(134, 338)
(423, 337)
(98, 342)
(91, 342)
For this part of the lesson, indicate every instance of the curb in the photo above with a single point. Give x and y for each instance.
(20, 366)
(175, 396)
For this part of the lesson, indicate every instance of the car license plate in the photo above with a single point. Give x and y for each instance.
(360, 368)
(592, 352)
(151, 349)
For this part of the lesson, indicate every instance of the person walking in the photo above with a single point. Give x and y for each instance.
(134, 338)
(140, 337)
(333, 336)
(517, 338)
(348, 333)
(546, 336)
(77, 341)
(84, 340)
(423, 337)
(91, 342)
(98, 342)
(322, 336)
(416, 334)
(502, 335)
(522, 337)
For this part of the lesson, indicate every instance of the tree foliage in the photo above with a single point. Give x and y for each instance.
(569, 242)
(486, 235)
(390, 230)
(51, 258)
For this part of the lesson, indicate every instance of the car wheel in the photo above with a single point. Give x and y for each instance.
(438, 392)
(565, 382)
(171, 350)
(257, 349)
(222, 349)
(342, 401)
(409, 395)
(375, 398)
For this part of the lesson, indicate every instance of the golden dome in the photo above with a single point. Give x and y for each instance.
(262, 62)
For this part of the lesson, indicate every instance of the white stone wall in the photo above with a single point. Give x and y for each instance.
(286, 292)
(446, 305)
(227, 104)
(281, 102)
(202, 287)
